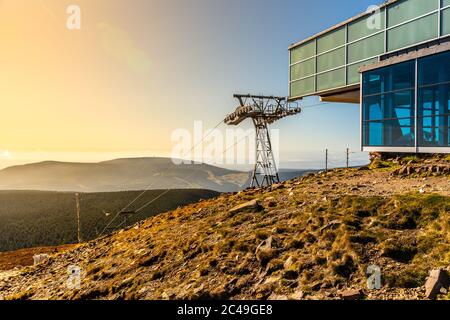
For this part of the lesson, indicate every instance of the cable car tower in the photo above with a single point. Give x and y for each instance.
(263, 110)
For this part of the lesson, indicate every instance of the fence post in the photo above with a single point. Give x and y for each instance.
(348, 158)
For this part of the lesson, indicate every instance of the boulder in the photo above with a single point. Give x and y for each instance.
(39, 258)
(438, 279)
(250, 205)
(352, 294)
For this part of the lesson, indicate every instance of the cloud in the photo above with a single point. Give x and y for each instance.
(118, 44)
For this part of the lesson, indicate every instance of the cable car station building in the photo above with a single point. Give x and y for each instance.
(395, 62)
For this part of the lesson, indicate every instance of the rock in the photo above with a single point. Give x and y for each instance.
(352, 294)
(39, 258)
(251, 205)
(264, 253)
(276, 186)
(168, 295)
(438, 279)
(408, 170)
(288, 263)
(298, 295)
(275, 297)
(332, 225)
(403, 170)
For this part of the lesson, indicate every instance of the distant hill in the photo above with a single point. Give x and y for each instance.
(35, 218)
(127, 174)
(120, 175)
(289, 174)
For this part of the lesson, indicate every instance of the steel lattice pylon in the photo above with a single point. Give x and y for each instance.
(263, 110)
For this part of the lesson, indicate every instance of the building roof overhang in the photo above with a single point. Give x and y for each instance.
(412, 55)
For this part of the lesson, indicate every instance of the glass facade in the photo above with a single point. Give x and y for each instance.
(433, 101)
(389, 104)
(331, 60)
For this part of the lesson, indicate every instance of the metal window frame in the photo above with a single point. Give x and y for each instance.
(417, 148)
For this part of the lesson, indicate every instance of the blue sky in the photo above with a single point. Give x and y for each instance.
(140, 69)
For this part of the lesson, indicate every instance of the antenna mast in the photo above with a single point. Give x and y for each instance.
(263, 110)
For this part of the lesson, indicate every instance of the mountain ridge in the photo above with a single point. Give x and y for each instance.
(127, 174)
(123, 174)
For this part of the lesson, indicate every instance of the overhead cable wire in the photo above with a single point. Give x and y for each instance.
(151, 184)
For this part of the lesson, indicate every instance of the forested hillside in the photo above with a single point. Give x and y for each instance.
(34, 218)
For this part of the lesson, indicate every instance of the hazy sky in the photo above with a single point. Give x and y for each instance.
(139, 69)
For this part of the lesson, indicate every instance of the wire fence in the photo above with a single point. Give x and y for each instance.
(346, 158)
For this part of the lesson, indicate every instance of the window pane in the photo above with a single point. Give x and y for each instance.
(331, 60)
(303, 52)
(366, 26)
(395, 105)
(303, 69)
(353, 74)
(331, 40)
(366, 48)
(446, 21)
(408, 9)
(434, 69)
(331, 79)
(302, 87)
(434, 131)
(445, 3)
(389, 133)
(397, 77)
(434, 113)
(413, 32)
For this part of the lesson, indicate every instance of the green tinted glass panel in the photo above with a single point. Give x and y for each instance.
(353, 74)
(366, 26)
(445, 3)
(331, 60)
(303, 52)
(331, 40)
(332, 79)
(303, 69)
(302, 87)
(446, 21)
(408, 9)
(413, 32)
(366, 48)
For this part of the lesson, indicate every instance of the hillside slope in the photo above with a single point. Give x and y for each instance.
(311, 238)
(44, 218)
(120, 175)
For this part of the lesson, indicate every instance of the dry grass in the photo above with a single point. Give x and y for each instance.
(322, 242)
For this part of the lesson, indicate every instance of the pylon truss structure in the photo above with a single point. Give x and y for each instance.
(263, 111)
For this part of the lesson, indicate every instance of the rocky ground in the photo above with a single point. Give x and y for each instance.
(309, 238)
